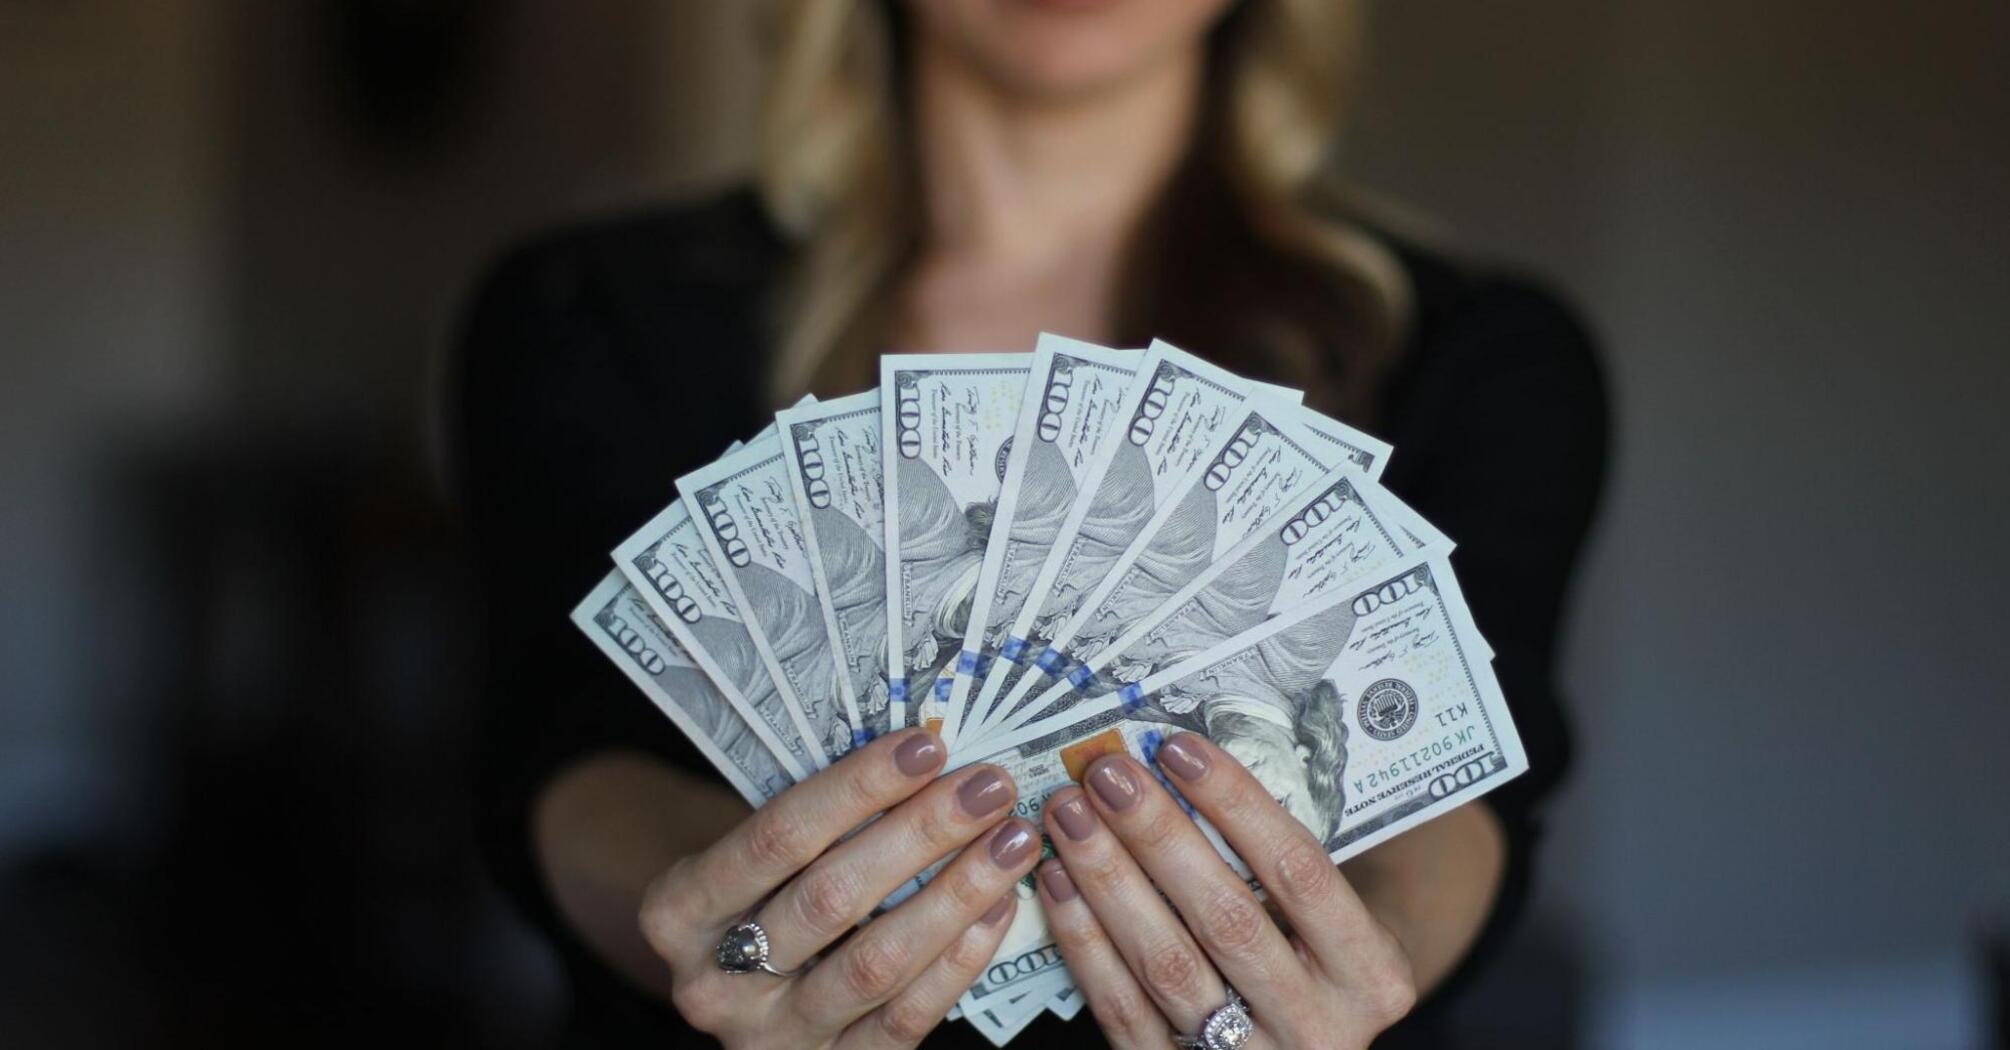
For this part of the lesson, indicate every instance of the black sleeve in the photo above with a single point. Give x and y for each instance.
(542, 423)
(1500, 426)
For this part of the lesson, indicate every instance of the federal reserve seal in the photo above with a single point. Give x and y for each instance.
(1388, 709)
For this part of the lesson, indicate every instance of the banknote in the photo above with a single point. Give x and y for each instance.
(1425, 536)
(667, 562)
(1341, 445)
(1001, 1023)
(618, 621)
(1329, 535)
(1167, 421)
(1069, 409)
(1028, 959)
(1371, 454)
(620, 624)
(1364, 713)
(946, 420)
(1253, 467)
(746, 515)
(835, 469)
(1013, 974)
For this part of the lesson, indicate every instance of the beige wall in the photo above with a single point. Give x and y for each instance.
(1788, 221)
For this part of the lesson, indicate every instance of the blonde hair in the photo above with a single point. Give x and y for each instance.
(836, 171)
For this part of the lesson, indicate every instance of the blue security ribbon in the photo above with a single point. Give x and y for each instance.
(1015, 648)
(1133, 697)
(896, 690)
(966, 662)
(861, 737)
(1051, 660)
(1081, 676)
(942, 688)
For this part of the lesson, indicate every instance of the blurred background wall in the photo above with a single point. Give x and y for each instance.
(232, 619)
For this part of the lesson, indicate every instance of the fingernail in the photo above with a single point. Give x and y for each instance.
(997, 912)
(1013, 842)
(1077, 820)
(1055, 878)
(1182, 761)
(918, 754)
(1113, 784)
(983, 793)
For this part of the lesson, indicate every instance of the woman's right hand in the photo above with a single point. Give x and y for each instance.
(889, 983)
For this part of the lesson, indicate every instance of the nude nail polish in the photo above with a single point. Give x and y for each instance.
(1013, 843)
(1183, 760)
(1077, 820)
(1055, 878)
(984, 793)
(1113, 784)
(918, 754)
(997, 912)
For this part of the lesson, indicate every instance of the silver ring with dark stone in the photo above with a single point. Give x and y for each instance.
(744, 949)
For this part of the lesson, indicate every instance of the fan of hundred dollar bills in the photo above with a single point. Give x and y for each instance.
(1048, 557)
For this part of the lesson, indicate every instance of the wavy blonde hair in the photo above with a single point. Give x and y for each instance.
(837, 173)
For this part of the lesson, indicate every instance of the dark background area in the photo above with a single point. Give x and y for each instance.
(235, 646)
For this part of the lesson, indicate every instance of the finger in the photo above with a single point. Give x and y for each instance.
(878, 961)
(797, 826)
(1286, 858)
(1122, 1008)
(848, 881)
(1216, 904)
(919, 1008)
(1153, 941)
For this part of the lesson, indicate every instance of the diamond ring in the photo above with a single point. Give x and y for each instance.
(1225, 1029)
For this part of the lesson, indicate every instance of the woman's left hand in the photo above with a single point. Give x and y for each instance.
(1336, 980)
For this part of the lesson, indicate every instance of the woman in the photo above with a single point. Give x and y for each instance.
(959, 174)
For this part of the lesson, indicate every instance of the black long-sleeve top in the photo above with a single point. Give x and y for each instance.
(596, 364)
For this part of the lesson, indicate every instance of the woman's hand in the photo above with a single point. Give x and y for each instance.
(889, 983)
(1337, 981)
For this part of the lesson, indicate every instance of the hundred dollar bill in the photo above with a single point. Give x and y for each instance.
(1027, 959)
(1419, 531)
(946, 420)
(1069, 409)
(1168, 420)
(1367, 712)
(1261, 463)
(835, 468)
(667, 562)
(1353, 445)
(620, 624)
(1330, 535)
(1002, 1023)
(747, 519)
(1254, 467)
(1012, 975)
(1364, 713)
(1341, 445)
(1026, 962)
